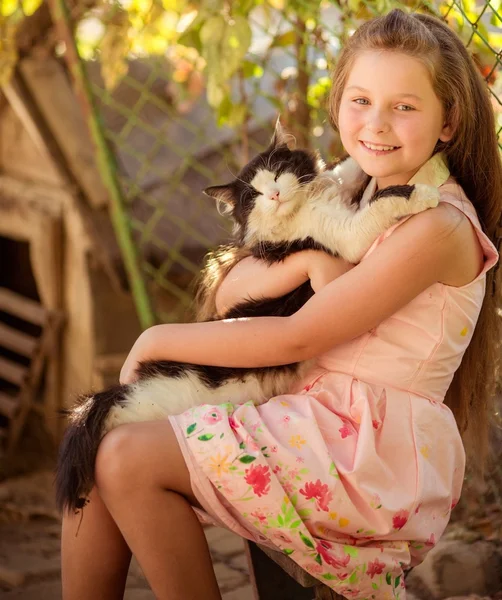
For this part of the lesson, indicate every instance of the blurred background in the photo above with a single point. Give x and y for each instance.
(114, 116)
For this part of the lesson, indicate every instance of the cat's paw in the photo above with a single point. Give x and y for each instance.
(423, 197)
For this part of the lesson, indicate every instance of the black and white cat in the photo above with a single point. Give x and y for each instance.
(282, 202)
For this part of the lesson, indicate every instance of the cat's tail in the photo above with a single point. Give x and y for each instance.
(77, 453)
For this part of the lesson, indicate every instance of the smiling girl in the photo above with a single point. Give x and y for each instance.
(354, 474)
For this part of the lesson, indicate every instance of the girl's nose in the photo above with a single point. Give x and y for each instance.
(377, 123)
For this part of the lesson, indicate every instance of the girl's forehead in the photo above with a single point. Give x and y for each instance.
(385, 70)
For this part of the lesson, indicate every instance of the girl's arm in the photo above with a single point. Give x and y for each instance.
(255, 279)
(425, 249)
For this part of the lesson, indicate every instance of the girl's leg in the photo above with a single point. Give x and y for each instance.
(94, 563)
(143, 480)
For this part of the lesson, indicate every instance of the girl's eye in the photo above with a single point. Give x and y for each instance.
(405, 107)
(361, 101)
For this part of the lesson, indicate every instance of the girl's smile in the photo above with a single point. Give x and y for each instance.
(390, 118)
(378, 149)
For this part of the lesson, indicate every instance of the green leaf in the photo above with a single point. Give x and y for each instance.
(30, 6)
(242, 445)
(251, 69)
(388, 578)
(191, 428)
(306, 541)
(191, 39)
(374, 586)
(295, 524)
(284, 39)
(247, 458)
(206, 437)
(288, 551)
(398, 579)
(234, 46)
(280, 520)
(215, 93)
(351, 550)
(273, 100)
(211, 32)
(495, 20)
(353, 577)
(8, 7)
(328, 576)
(290, 512)
(243, 7)
(237, 115)
(318, 559)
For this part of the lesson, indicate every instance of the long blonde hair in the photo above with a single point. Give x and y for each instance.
(474, 161)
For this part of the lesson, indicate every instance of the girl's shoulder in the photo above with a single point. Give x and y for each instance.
(472, 244)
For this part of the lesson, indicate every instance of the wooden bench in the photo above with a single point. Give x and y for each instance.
(22, 376)
(274, 576)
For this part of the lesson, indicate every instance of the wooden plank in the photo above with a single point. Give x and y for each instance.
(110, 363)
(17, 341)
(8, 405)
(12, 372)
(269, 581)
(290, 567)
(22, 307)
(49, 85)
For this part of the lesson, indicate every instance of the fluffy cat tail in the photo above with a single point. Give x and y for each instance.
(78, 449)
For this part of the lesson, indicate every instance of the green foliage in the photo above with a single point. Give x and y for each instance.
(12, 13)
(227, 44)
(218, 39)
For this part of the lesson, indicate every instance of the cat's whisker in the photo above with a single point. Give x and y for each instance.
(236, 177)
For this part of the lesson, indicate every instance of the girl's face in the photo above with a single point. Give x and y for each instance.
(390, 118)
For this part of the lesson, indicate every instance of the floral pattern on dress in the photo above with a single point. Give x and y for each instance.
(355, 475)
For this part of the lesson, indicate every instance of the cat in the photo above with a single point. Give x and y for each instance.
(282, 202)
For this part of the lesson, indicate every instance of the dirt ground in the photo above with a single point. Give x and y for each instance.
(30, 538)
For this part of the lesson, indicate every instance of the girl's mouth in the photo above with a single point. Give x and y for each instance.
(379, 150)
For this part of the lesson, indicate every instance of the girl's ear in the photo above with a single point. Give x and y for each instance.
(281, 138)
(223, 194)
(446, 133)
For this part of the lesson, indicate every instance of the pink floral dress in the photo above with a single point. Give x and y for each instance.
(353, 476)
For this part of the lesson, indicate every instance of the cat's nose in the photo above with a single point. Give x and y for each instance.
(274, 195)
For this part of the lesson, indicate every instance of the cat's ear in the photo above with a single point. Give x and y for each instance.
(223, 194)
(281, 138)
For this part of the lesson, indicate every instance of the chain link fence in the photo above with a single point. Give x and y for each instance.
(173, 112)
(172, 127)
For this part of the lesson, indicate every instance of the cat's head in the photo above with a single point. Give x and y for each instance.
(269, 190)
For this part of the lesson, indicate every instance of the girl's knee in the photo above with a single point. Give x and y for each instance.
(116, 465)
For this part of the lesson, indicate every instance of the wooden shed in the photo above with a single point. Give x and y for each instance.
(63, 308)
(67, 318)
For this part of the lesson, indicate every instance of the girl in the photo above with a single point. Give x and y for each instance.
(355, 474)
